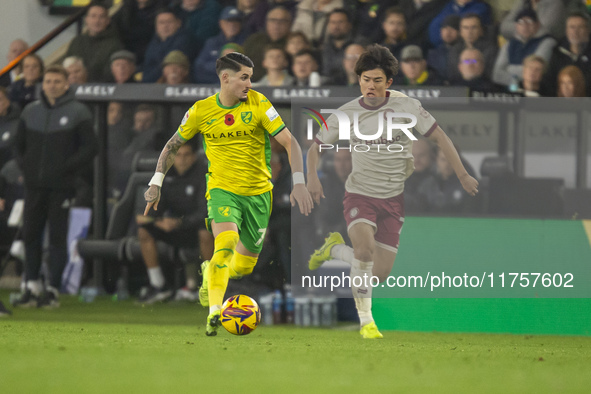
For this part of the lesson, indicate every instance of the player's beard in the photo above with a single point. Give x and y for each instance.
(243, 99)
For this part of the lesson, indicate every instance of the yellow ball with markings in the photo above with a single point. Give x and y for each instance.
(240, 315)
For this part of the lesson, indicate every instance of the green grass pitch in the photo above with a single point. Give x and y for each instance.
(120, 347)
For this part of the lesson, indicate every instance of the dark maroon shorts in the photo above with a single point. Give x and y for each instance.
(386, 216)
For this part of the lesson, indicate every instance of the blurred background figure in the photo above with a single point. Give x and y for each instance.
(414, 70)
(295, 42)
(437, 58)
(175, 69)
(9, 114)
(25, 91)
(424, 153)
(471, 69)
(231, 26)
(550, 13)
(339, 34)
(305, 68)
(571, 82)
(200, 19)
(169, 37)
(348, 76)
(529, 39)
(277, 27)
(275, 64)
(531, 79)
(14, 50)
(135, 23)
(393, 33)
(123, 67)
(179, 221)
(311, 17)
(97, 43)
(77, 73)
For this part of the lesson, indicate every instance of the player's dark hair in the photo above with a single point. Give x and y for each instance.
(377, 56)
(232, 61)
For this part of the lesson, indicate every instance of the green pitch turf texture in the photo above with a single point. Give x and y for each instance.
(120, 347)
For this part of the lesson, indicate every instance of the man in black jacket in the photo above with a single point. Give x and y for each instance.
(179, 220)
(54, 140)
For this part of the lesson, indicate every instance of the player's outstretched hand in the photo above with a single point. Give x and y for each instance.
(301, 195)
(469, 184)
(315, 189)
(152, 196)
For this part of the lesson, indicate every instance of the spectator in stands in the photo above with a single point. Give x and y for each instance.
(54, 140)
(123, 67)
(550, 13)
(255, 14)
(169, 37)
(9, 114)
(311, 17)
(96, 45)
(200, 20)
(175, 69)
(419, 15)
(443, 191)
(339, 34)
(77, 73)
(179, 220)
(231, 31)
(296, 41)
(143, 133)
(231, 47)
(471, 69)
(14, 50)
(304, 65)
(275, 64)
(438, 57)
(119, 135)
(574, 50)
(459, 7)
(352, 54)
(533, 71)
(135, 23)
(424, 153)
(393, 34)
(330, 213)
(571, 82)
(414, 70)
(528, 40)
(277, 28)
(472, 36)
(24, 91)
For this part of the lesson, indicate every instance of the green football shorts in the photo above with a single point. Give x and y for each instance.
(250, 213)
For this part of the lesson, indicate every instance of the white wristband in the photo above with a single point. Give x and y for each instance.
(157, 179)
(298, 177)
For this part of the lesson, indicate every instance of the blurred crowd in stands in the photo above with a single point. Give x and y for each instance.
(538, 48)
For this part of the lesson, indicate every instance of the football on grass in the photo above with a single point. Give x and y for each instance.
(240, 315)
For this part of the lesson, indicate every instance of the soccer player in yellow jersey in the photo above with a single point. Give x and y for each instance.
(235, 125)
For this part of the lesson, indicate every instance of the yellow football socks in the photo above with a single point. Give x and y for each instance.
(225, 246)
(241, 265)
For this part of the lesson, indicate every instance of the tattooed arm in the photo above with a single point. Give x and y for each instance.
(165, 161)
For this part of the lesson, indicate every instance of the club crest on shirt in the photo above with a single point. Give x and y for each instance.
(354, 212)
(224, 211)
(246, 117)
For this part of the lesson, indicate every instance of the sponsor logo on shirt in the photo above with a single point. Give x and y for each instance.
(272, 114)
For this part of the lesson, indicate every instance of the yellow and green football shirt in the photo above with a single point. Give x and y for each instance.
(236, 142)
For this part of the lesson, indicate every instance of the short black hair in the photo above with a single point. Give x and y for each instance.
(471, 15)
(166, 10)
(233, 61)
(377, 56)
(340, 11)
(97, 3)
(578, 14)
(306, 51)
